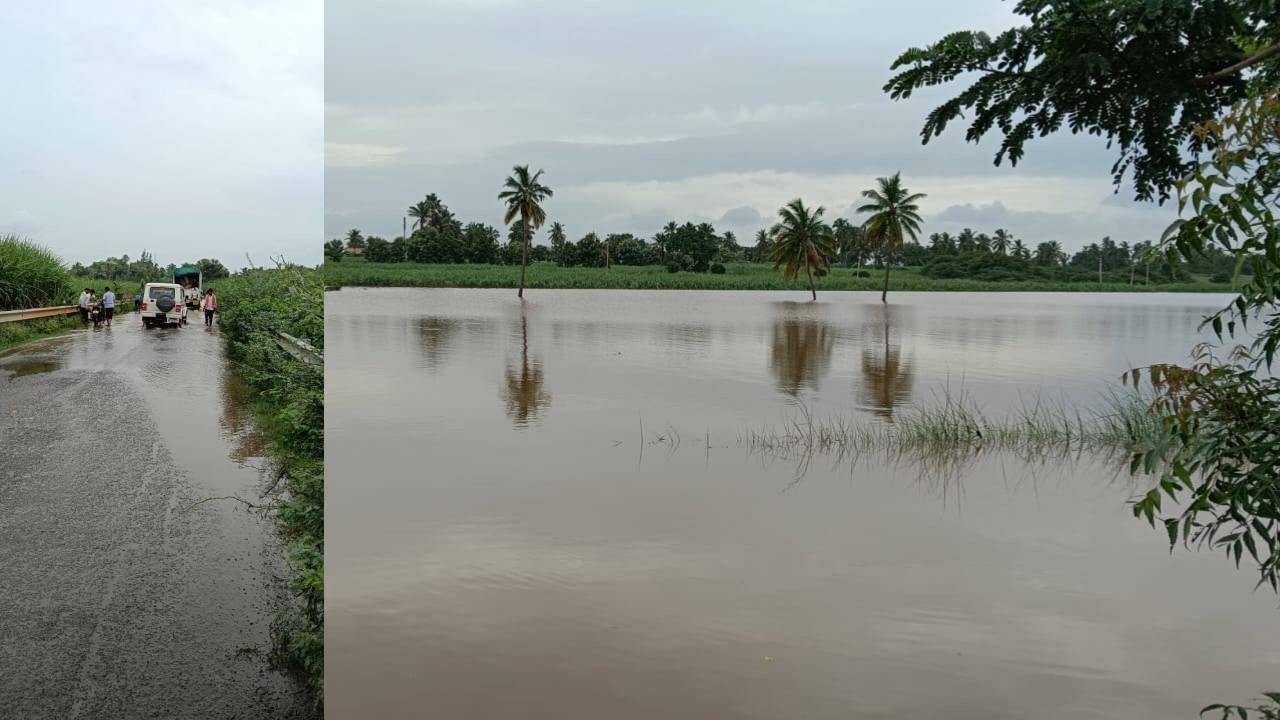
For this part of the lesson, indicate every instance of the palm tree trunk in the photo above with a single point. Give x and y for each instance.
(809, 271)
(524, 253)
(884, 294)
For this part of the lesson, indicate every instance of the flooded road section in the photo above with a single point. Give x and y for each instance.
(126, 593)
(502, 543)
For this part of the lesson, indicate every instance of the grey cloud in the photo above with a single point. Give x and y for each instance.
(1073, 229)
(745, 215)
(991, 214)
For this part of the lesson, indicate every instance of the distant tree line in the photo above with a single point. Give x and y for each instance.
(145, 269)
(437, 236)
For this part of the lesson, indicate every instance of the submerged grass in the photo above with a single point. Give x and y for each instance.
(738, 276)
(943, 437)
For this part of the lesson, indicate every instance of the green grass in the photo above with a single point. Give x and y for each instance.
(13, 334)
(742, 276)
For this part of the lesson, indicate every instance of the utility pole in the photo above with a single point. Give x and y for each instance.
(404, 226)
(1099, 266)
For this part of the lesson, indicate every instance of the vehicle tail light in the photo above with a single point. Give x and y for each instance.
(144, 306)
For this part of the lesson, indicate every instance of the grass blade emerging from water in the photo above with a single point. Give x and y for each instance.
(945, 435)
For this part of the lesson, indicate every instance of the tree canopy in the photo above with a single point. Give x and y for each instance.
(1141, 73)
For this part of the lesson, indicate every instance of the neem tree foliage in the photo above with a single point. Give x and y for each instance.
(1144, 74)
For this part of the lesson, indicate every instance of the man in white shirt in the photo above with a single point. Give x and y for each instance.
(108, 305)
(86, 297)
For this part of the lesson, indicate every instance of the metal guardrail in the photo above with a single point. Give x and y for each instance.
(300, 349)
(122, 306)
(37, 313)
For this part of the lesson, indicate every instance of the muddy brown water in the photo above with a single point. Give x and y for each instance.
(502, 543)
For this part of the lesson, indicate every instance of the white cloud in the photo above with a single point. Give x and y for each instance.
(360, 155)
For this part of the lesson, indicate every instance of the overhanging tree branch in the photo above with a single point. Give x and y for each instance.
(1249, 61)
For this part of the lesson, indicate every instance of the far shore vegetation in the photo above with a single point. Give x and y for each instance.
(356, 272)
(442, 251)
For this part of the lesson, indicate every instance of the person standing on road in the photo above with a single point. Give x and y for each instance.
(86, 298)
(108, 305)
(210, 306)
(137, 301)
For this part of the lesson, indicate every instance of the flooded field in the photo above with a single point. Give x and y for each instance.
(547, 511)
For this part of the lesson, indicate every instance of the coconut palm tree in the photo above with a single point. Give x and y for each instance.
(1020, 250)
(1049, 253)
(1001, 241)
(524, 195)
(421, 213)
(801, 239)
(849, 241)
(761, 251)
(894, 214)
(558, 243)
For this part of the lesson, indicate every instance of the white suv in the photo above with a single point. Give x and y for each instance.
(162, 305)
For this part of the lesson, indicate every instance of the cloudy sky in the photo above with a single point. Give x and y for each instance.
(644, 112)
(190, 129)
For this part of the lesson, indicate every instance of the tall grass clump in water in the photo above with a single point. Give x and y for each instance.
(288, 398)
(30, 275)
(945, 435)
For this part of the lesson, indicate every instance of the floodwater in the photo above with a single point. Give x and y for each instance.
(546, 511)
(133, 586)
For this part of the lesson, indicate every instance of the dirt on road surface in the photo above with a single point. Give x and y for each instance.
(124, 595)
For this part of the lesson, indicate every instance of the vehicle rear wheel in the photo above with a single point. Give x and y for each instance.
(146, 323)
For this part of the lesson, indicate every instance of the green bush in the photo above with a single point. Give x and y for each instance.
(31, 275)
(673, 266)
(289, 400)
(717, 269)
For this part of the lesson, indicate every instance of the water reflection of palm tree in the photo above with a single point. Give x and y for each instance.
(887, 376)
(523, 391)
(435, 335)
(801, 352)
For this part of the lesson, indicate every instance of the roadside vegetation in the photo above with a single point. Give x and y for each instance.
(31, 276)
(288, 399)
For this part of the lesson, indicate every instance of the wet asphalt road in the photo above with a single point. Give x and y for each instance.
(120, 596)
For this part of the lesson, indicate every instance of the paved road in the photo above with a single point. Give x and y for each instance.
(120, 597)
